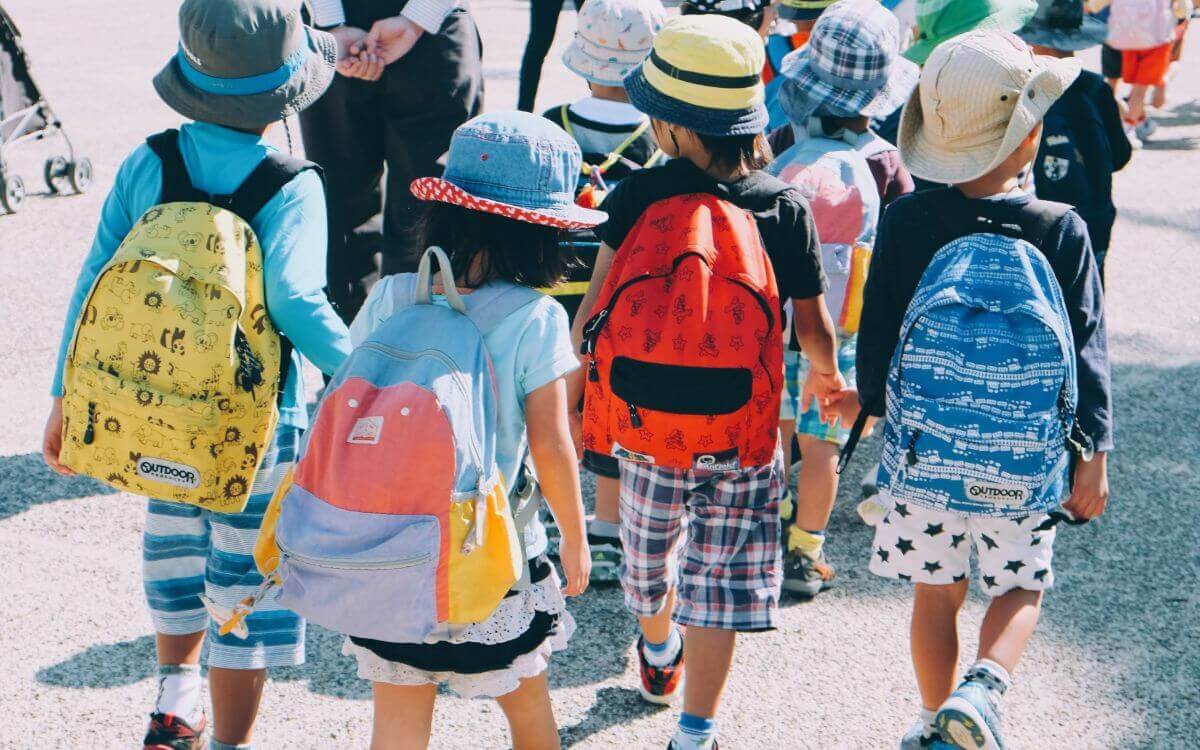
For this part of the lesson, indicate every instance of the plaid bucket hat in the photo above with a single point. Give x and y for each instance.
(705, 74)
(1062, 25)
(980, 95)
(850, 67)
(939, 20)
(513, 164)
(613, 37)
(245, 63)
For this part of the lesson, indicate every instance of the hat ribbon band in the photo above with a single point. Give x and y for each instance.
(245, 86)
(848, 84)
(702, 79)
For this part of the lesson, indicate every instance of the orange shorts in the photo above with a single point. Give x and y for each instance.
(1146, 67)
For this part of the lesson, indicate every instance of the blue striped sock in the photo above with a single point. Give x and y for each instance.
(694, 733)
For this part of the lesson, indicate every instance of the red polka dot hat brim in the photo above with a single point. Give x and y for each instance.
(571, 216)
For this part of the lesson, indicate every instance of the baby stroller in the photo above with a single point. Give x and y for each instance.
(26, 116)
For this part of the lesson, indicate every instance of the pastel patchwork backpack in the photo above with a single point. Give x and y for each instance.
(397, 520)
(172, 377)
(981, 392)
(685, 348)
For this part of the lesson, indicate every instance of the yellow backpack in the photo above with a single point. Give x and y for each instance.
(171, 381)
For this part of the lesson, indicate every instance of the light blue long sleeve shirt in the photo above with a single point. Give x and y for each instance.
(291, 228)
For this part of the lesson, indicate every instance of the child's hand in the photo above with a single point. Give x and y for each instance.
(827, 388)
(576, 558)
(52, 439)
(1089, 492)
(848, 409)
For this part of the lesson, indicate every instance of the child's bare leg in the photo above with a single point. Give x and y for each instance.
(934, 637)
(235, 697)
(530, 715)
(817, 486)
(1008, 625)
(179, 649)
(1137, 103)
(708, 654)
(403, 716)
(608, 500)
(658, 628)
(787, 428)
(1159, 98)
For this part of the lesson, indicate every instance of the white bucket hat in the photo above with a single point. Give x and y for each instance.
(614, 37)
(980, 95)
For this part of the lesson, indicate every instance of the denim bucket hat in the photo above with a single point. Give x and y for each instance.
(850, 67)
(704, 74)
(613, 37)
(1062, 25)
(514, 164)
(245, 63)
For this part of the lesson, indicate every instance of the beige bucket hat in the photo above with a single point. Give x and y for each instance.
(980, 95)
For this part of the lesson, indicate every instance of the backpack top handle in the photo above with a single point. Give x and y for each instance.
(424, 291)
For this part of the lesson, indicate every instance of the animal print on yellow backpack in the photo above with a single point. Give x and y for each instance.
(171, 380)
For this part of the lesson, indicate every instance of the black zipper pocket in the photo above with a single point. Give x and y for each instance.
(676, 389)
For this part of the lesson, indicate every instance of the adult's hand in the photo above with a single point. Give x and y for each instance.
(392, 38)
(353, 59)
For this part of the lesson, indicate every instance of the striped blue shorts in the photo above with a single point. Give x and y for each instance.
(187, 551)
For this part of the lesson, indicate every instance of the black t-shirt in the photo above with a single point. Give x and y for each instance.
(916, 226)
(783, 217)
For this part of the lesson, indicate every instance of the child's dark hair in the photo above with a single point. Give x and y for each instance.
(516, 251)
(741, 152)
(752, 18)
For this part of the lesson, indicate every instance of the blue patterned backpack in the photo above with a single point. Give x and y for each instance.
(982, 388)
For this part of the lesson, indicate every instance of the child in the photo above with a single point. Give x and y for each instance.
(613, 37)
(1083, 142)
(989, 89)
(701, 88)
(849, 72)
(500, 231)
(1142, 30)
(187, 551)
(791, 32)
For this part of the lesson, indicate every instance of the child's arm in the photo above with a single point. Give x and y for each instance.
(553, 454)
(604, 259)
(815, 332)
(294, 241)
(1095, 6)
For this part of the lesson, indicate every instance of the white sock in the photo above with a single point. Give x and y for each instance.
(663, 654)
(180, 692)
(927, 717)
(991, 675)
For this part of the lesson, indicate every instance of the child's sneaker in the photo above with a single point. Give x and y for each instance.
(606, 558)
(659, 684)
(969, 719)
(1131, 133)
(804, 575)
(169, 732)
(916, 739)
(672, 745)
(1146, 128)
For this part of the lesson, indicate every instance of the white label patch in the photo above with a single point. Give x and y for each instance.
(996, 494)
(627, 455)
(366, 431)
(168, 472)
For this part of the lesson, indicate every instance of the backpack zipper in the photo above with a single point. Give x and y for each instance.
(911, 452)
(89, 434)
(333, 564)
(635, 418)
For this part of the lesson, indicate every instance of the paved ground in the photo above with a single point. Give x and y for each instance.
(1116, 663)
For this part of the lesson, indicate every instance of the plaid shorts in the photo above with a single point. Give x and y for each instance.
(712, 535)
(188, 551)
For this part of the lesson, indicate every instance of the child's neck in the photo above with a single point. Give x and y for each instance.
(609, 93)
(994, 183)
(718, 172)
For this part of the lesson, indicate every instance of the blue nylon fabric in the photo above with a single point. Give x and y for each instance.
(246, 86)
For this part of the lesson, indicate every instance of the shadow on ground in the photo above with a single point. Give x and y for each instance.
(26, 481)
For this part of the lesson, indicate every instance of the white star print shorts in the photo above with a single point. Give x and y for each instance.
(921, 545)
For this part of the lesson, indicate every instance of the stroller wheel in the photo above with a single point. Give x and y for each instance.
(55, 170)
(14, 194)
(81, 175)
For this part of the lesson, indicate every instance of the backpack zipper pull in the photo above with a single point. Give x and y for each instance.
(635, 417)
(911, 458)
(89, 434)
(593, 372)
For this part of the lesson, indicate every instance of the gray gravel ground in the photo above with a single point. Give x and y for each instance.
(1114, 665)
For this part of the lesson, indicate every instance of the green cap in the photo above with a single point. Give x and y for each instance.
(939, 20)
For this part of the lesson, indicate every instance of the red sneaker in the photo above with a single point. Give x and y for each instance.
(659, 684)
(169, 732)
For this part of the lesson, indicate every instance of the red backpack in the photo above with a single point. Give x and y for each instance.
(685, 350)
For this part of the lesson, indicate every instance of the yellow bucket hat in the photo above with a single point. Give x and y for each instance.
(705, 74)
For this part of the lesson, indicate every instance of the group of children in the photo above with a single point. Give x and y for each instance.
(674, 366)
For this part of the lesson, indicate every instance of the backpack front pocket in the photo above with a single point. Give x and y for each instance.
(363, 574)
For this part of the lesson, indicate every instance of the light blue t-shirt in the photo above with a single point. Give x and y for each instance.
(529, 348)
(291, 228)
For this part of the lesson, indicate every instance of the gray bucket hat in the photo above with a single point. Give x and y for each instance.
(245, 63)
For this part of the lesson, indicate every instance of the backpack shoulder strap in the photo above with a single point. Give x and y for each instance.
(268, 178)
(488, 306)
(176, 184)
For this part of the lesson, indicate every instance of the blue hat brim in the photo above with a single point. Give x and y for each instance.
(788, 13)
(1091, 33)
(707, 120)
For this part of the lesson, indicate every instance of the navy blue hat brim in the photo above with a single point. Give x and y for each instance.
(707, 120)
(788, 13)
(1093, 32)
